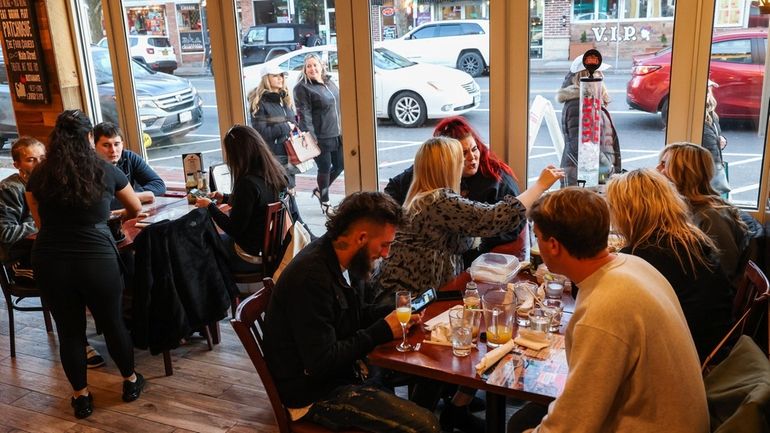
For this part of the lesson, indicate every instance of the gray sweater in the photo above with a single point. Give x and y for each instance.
(633, 367)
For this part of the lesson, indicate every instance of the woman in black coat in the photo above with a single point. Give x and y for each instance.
(272, 115)
(569, 95)
(715, 142)
(319, 113)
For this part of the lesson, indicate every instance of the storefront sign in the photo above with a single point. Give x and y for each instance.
(26, 72)
(620, 33)
(388, 12)
(191, 42)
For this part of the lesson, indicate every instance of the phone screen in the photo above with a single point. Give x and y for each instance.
(423, 300)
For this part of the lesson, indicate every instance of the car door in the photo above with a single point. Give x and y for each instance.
(736, 70)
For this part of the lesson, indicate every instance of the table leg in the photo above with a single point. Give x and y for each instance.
(495, 414)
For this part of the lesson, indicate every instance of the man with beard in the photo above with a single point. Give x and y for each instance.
(317, 329)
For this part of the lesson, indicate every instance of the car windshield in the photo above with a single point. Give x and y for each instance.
(386, 59)
(103, 68)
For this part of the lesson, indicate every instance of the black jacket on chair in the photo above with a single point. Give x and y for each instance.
(182, 281)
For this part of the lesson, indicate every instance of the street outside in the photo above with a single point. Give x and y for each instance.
(641, 137)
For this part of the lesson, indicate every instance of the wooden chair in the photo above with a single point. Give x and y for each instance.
(752, 302)
(14, 294)
(275, 220)
(249, 323)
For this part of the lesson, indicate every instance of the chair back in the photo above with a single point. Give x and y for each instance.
(219, 178)
(752, 301)
(275, 231)
(249, 325)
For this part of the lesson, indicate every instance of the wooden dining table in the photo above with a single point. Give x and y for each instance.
(173, 206)
(437, 362)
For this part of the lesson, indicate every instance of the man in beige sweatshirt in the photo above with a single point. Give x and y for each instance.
(633, 366)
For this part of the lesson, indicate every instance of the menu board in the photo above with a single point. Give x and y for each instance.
(24, 54)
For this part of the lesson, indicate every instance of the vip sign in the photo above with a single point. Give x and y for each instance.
(621, 33)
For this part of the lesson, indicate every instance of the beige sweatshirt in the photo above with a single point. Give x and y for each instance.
(632, 363)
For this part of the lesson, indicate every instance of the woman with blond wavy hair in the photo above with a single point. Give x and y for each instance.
(443, 224)
(654, 220)
(691, 168)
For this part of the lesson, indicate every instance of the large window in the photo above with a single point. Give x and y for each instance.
(276, 103)
(437, 69)
(733, 128)
(636, 87)
(8, 131)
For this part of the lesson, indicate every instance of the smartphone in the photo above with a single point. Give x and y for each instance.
(422, 301)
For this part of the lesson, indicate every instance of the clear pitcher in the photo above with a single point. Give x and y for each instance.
(499, 306)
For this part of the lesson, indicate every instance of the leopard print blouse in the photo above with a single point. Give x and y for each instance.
(427, 251)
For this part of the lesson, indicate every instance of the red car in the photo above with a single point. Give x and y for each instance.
(737, 66)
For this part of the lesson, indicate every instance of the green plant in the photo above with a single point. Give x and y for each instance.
(663, 39)
(584, 37)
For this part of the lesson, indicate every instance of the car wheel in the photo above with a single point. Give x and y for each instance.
(664, 112)
(314, 41)
(408, 110)
(472, 63)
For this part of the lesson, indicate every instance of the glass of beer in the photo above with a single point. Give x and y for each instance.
(404, 313)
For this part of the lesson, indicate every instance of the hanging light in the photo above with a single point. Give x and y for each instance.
(764, 6)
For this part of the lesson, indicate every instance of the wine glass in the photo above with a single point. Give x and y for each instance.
(404, 313)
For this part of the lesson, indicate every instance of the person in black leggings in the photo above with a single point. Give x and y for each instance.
(75, 258)
(318, 108)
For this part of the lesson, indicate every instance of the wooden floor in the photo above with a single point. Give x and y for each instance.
(210, 391)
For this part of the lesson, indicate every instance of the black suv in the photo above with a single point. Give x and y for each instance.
(265, 41)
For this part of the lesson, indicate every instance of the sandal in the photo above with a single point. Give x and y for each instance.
(324, 204)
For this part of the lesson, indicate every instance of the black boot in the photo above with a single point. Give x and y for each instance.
(460, 418)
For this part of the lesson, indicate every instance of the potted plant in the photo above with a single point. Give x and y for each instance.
(578, 48)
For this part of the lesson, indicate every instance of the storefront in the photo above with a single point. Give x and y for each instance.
(147, 20)
(192, 40)
(643, 25)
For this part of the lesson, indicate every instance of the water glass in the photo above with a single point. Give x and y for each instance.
(554, 289)
(556, 307)
(461, 322)
(524, 301)
(540, 319)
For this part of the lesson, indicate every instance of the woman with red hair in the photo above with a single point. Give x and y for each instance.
(485, 179)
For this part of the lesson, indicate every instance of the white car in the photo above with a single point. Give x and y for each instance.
(404, 91)
(461, 44)
(154, 51)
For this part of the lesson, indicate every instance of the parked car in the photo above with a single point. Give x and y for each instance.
(404, 91)
(737, 66)
(154, 51)
(461, 44)
(265, 42)
(169, 106)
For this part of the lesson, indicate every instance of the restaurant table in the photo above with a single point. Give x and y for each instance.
(438, 363)
(150, 210)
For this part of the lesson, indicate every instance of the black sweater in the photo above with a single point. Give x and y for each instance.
(706, 298)
(316, 327)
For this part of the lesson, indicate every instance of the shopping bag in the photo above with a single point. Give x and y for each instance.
(301, 146)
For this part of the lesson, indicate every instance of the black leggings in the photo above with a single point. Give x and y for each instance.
(69, 285)
(330, 165)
